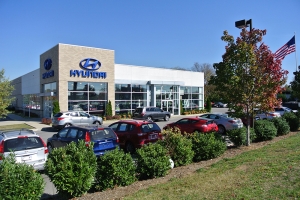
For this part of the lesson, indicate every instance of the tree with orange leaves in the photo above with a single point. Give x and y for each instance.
(249, 76)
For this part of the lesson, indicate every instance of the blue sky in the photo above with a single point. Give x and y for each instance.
(156, 33)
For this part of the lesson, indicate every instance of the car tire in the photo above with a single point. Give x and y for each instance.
(50, 148)
(97, 123)
(129, 147)
(67, 125)
(149, 118)
(167, 118)
(221, 130)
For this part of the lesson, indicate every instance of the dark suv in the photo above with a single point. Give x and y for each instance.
(136, 133)
(27, 146)
(104, 138)
(151, 113)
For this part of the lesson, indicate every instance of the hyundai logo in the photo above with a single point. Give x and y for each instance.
(90, 64)
(48, 64)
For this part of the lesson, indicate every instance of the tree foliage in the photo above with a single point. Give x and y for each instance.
(296, 84)
(6, 90)
(249, 76)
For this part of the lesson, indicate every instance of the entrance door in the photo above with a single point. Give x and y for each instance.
(167, 105)
(47, 108)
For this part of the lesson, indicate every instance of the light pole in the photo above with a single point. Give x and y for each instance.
(244, 23)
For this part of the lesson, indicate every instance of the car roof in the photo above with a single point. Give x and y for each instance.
(90, 128)
(136, 121)
(18, 132)
(198, 118)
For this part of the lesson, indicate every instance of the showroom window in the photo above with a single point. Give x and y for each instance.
(87, 96)
(192, 97)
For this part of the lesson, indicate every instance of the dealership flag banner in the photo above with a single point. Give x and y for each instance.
(286, 49)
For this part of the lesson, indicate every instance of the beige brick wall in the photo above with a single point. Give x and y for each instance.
(67, 57)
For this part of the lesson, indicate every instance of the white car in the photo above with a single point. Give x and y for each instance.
(283, 110)
(266, 115)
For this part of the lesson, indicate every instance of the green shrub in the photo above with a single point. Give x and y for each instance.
(208, 105)
(264, 130)
(152, 161)
(207, 146)
(56, 108)
(19, 180)
(179, 147)
(108, 109)
(72, 169)
(239, 136)
(281, 125)
(292, 120)
(115, 168)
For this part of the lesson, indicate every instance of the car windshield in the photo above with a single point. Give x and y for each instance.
(102, 134)
(23, 143)
(150, 127)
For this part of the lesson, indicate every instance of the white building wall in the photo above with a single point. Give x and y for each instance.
(130, 72)
(31, 82)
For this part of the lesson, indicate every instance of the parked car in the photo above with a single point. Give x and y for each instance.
(283, 110)
(220, 105)
(259, 114)
(27, 146)
(193, 124)
(224, 122)
(74, 118)
(151, 113)
(104, 138)
(136, 133)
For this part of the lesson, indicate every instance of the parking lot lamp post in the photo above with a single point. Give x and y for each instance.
(243, 24)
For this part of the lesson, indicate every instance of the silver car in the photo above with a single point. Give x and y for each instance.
(27, 146)
(225, 123)
(74, 118)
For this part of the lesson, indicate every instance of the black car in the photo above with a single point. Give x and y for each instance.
(104, 138)
(151, 113)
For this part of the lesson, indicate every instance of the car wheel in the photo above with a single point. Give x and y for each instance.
(129, 147)
(149, 118)
(68, 124)
(167, 118)
(97, 123)
(50, 148)
(222, 129)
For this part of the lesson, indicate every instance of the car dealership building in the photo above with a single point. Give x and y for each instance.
(86, 78)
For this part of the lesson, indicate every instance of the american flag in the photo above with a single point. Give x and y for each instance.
(286, 49)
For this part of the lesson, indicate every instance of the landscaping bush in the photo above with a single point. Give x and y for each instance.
(72, 168)
(19, 180)
(239, 136)
(207, 146)
(281, 125)
(264, 130)
(117, 117)
(292, 120)
(152, 161)
(56, 107)
(179, 147)
(115, 168)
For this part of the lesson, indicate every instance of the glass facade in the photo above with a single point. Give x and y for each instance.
(87, 96)
(129, 96)
(167, 98)
(192, 97)
(32, 101)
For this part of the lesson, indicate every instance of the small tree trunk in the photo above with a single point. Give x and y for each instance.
(248, 128)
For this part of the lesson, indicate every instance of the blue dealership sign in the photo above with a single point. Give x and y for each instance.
(47, 66)
(89, 66)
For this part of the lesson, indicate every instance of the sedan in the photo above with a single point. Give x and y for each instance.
(224, 122)
(266, 115)
(283, 110)
(194, 124)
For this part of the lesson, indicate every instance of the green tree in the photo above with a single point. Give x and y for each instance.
(208, 105)
(296, 84)
(56, 107)
(6, 90)
(108, 109)
(249, 76)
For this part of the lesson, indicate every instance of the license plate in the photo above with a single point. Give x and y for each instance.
(26, 158)
(153, 136)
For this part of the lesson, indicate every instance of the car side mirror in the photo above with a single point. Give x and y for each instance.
(55, 135)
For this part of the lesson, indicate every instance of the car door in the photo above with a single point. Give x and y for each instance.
(183, 125)
(121, 130)
(84, 118)
(159, 113)
(75, 118)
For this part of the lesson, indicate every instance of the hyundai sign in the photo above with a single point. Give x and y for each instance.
(47, 66)
(89, 66)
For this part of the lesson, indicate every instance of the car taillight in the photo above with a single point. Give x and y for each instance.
(60, 118)
(87, 139)
(143, 113)
(231, 121)
(45, 147)
(118, 140)
(1, 149)
(22, 136)
(204, 125)
(272, 114)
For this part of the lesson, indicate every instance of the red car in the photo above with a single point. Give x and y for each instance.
(136, 133)
(193, 124)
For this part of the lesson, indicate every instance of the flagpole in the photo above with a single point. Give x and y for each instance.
(296, 52)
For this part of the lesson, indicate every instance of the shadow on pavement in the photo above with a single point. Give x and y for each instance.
(48, 129)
